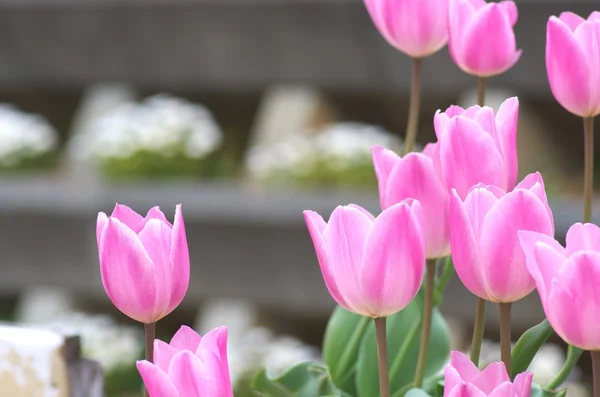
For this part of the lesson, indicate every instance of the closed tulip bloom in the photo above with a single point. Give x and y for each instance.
(190, 366)
(463, 379)
(573, 62)
(481, 37)
(484, 237)
(418, 28)
(371, 266)
(476, 146)
(414, 176)
(567, 281)
(144, 262)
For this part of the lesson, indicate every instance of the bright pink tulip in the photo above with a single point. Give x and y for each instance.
(573, 62)
(481, 37)
(484, 237)
(567, 281)
(144, 262)
(418, 28)
(463, 379)
(414, 176)
(371, 266)
(476, 146)
(190, 366)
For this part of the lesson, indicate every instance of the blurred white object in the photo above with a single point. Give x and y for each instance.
(40, 304)
(24, 136)
(239, 316)
(160, 124)
(493, 97)
(31, 363)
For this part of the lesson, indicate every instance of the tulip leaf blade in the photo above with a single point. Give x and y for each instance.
(528, 345)
(539, 391)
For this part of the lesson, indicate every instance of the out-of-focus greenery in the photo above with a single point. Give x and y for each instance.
(123, 381)
(46, 161)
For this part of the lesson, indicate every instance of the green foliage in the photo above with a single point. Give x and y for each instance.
(573, 355)
(528, 345)
(42, 162)
(122, 381)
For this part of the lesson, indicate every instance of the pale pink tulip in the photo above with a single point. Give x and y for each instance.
(476, 146)
(573, 62)
(484, 237)
(567, 281)
(418, 28)
(481, 37)
(144, 262)
(190, 366)
(371, 266)
(414, 176)
(463, 379)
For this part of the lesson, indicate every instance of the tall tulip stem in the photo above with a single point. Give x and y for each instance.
(150, 330)
(588, 184)
(505, 346)
(596, 371)
(478, 331)
(414, 107)
(481, 84)
(382, 355)
(426, 327)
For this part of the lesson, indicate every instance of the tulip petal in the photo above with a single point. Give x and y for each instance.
(509, 8)
(464, 366)
(466, 220)
(535, 184)
(574, 301)
(384, 161)
(440, 123)
(503, 390)
(128, 217)
(186, 339)
(459, 13)
(163, 354)
(187, 372)
(487, 120)
(155, 213)
(504, 261)
(415, 177)
(588, 36)
(571, 19)
(582, 237)
(492, 376)
(215, 341)
(156, 381)
(466, 390)
(100, 224)
(393, 261)
(316, 226)
(213, 352)
(128, 273)
(469, 156)
(568, 68)
(522, 383)
(451, 379)
(507, 120)
(179, 257)
(595, 15)
(489, 46)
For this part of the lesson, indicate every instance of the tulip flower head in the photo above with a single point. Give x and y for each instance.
(418, 28)
(476, 146)
(567, 281)
(481, 37)
(144, 262)
(484, 237)
(414, 176)
(189, 366)
(573, 62)
(371, 266)
(463, 379)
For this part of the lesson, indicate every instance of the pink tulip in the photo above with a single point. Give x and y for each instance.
(573, 62)
(476, 146)
(463, 379)
(484, 237)
(567, 281)
(418, 28)
(190, 366)
(414, 176)
(144, 262)
(371, 266)
(481, 37)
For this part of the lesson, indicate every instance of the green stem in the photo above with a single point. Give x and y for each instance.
(481, 83)
(573, 355)
(426, 329)
(414, 107)
(505, 347)
(588, 184)
(478, 331)
(596, 371)
(150, 330)
(382, 356)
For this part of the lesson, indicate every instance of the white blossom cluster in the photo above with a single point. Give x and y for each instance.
(340, 145)
(161, 124)
(24, 136)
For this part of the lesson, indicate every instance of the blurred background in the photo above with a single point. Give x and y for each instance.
(247, 112)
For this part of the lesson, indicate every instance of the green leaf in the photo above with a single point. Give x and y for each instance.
(416, 393)
(304, 380)
(528, 345)
(538, 391)
(573, 355)
(404, 334)
(343, 337)
(441, 282)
